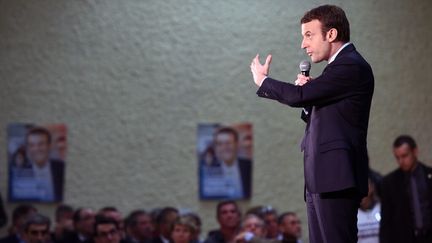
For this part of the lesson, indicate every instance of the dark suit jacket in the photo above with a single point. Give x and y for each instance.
(58, 172)
(245, 167)
(339, 100)
(396, 217)
(10, 239)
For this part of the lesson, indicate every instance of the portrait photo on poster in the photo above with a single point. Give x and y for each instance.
(36, 162)
(225, 155)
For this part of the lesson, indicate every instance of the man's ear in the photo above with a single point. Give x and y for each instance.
(332, 34)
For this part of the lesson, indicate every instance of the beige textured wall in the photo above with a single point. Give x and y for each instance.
(132, 79)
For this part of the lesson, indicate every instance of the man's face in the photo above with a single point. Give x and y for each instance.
(117, 216)
(225, 147)
(38, 148)
(107, 233)
(272, 225)
(37, 233)
(291, 226)
(316, 45)
(406, 157)
(255, 226)
(165, 227)
(229, 216)
(143, 229)
(181, 234)
(85, 224)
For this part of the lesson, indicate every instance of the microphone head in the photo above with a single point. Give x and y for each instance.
(305, 66)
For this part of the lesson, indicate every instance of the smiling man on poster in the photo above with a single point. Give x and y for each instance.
(337, 105)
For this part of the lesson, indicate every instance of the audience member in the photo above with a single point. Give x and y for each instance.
(138, 227)
(106, 230)
(270, 216)
(195, 218)
(114, 213)
(19, 217)
(183, 230)
(83, 221)
(406, 201)
(369, 216)
(164, 222)
(290, 227)
(228, 216)
(36, 229)
(253, 230)
(64, 222)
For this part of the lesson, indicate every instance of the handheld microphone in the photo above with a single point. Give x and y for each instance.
(305, 67)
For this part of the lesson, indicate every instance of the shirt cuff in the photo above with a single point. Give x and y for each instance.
(262, 81)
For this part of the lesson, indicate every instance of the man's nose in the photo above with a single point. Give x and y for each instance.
(303, 44)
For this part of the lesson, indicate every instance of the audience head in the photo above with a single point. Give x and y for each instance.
(63, 212)
(106, 230)
(196, 220)
(112, 212)
(406, 152)
(83, 220)
(138, 225)
(228, 215)
(254, 224)
(165, 219)
(19, 216)
(270, 217)
(183, 230)
(36, 229)
(290, 225)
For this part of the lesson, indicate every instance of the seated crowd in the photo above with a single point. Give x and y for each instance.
(161, 225)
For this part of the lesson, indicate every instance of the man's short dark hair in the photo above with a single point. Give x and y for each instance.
(162, 216)
(404, 139)
(226, 202)
(283, 216)
(132, 218)
(330, 17)
(39, 131)
(61, 210)
(22, 210)
(227, 130)
(37, 219)
(100, 219)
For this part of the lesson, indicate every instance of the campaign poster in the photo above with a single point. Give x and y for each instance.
(36, 162)
(225, 155)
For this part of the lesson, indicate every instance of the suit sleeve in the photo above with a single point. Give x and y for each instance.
(386, 227)
(336, 82)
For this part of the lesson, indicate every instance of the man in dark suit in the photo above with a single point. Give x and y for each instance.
(48, 172)
(337, 105)
(406, 200)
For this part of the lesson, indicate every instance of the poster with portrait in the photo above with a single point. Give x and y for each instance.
(224, 154)
(36, 161)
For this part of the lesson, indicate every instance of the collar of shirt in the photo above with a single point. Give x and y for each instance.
(332, 58)
(42, 171)
(232, 167)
